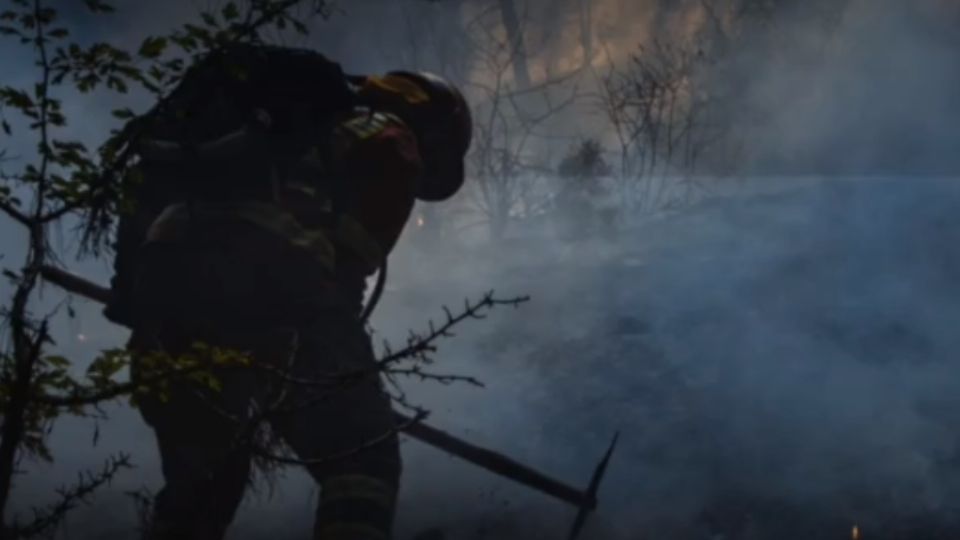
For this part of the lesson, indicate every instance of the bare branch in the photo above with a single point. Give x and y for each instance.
(70, 497)
(420, 345)
(14, 213)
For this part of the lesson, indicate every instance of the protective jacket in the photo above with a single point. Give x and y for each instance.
(344, 203)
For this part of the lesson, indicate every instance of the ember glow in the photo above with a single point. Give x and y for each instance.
(855, 534)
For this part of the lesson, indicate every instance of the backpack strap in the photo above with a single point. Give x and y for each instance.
(352, 235)
(175, 222)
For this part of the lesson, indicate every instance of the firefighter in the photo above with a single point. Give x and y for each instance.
(280, 275)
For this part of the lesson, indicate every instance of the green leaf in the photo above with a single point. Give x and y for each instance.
(123, 114)
(153, 47)
(186, 42)
(158, 74)
(57, 118)
(230, 11)
(58, 361)
(17, 99)
(134, 177)
(107, 366)
(116, 83)
(59, 33)
(46, 15)
(98, 6)
(197, 32)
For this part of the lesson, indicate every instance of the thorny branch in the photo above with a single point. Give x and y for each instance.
(252, 433)
(418, 349)
(14, 213)
(70, 497)
(27, 345)
(419, 346)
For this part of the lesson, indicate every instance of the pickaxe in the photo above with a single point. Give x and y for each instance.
(584, 500)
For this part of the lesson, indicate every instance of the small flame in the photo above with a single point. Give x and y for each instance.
(855, 534)
(421, 222)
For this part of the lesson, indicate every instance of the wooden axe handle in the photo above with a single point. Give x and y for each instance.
(484, 458)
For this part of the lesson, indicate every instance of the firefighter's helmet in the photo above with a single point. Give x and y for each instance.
(440, 118)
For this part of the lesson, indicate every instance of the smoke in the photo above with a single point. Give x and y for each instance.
(784, 362)
(782, 365)
(871, 91)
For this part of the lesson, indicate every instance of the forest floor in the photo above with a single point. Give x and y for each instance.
(780, 365)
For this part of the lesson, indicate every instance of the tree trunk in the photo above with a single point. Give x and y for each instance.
(586, 32)
(511, 23)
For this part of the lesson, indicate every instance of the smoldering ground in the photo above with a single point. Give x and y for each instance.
(780, 366)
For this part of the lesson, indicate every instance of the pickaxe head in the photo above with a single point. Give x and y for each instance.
(589, 503)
